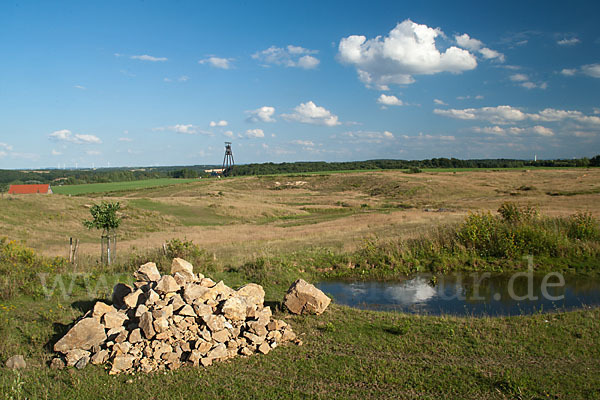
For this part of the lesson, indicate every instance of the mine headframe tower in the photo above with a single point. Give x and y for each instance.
(228, 162)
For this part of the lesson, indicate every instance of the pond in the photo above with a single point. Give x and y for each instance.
(476, 294)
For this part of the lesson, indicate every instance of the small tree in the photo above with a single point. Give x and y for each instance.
(104, 216)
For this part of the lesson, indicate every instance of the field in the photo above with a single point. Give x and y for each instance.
(116, 186)
(273, 229)
(240, 218)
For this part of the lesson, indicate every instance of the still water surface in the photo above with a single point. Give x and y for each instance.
(469, 294)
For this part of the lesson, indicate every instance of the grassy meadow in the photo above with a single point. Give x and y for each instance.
(274, 229)
(108, 187)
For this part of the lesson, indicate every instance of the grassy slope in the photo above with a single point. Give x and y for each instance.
(117, 186)
(336, 210)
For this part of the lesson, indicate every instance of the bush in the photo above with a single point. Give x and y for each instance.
(510, 236)
(512, 213)
(480, 232)
(182, 249)
(19, 269)
(189, 251)
(583, 226)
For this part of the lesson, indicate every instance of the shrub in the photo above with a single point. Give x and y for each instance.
(182, 249)
(19, 269)
(479, 232)
(583, 226)
(510, 236)
(189, 251)
(513, 213)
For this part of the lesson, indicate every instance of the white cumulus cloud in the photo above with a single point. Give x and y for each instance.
(65, 135)
(408, 49)
(543, 131)
(592, 70)
(310, 113)
(491, 130)
(523, 80)
(217, 62)
(497, 130)
(469, 43)
(290, 56)
(186, 129)
(307, 143)
(498, 115)
(308, 62)
(263, 114)
(439, 102)
(503, 115)
(568, 41)
(255, 133)
(146, 57)
(367, 136)
(183, 128)
(489, 54)
(568, 71)
(519, 78)
(389, 100)
(218, 123)
(554, 115)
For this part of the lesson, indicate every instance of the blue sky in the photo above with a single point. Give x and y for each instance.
(140, 83)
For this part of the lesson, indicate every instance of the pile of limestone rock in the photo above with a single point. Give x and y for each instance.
(164, 322)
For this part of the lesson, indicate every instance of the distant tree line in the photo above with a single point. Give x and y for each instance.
(58, 177)
(299, 167)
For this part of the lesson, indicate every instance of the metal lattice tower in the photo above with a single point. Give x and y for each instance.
(228, 162)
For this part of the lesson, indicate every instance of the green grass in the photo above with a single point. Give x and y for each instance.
(117, 186)
(347, 353)
(312, 216)
(186, 215)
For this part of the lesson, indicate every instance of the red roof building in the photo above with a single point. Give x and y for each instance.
(29, 189)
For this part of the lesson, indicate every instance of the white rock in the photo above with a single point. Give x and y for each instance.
(147, 273)
(132, 299)
(16, 362)
(184, 268)
(234, 309)
(84, 335)
(304, 298)
(167, 284)
(113, 319)
(252, 293)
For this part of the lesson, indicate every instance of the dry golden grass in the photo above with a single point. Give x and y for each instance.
(240, 218)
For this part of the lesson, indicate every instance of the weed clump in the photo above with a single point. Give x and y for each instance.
(583, 226)
(20, 268)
